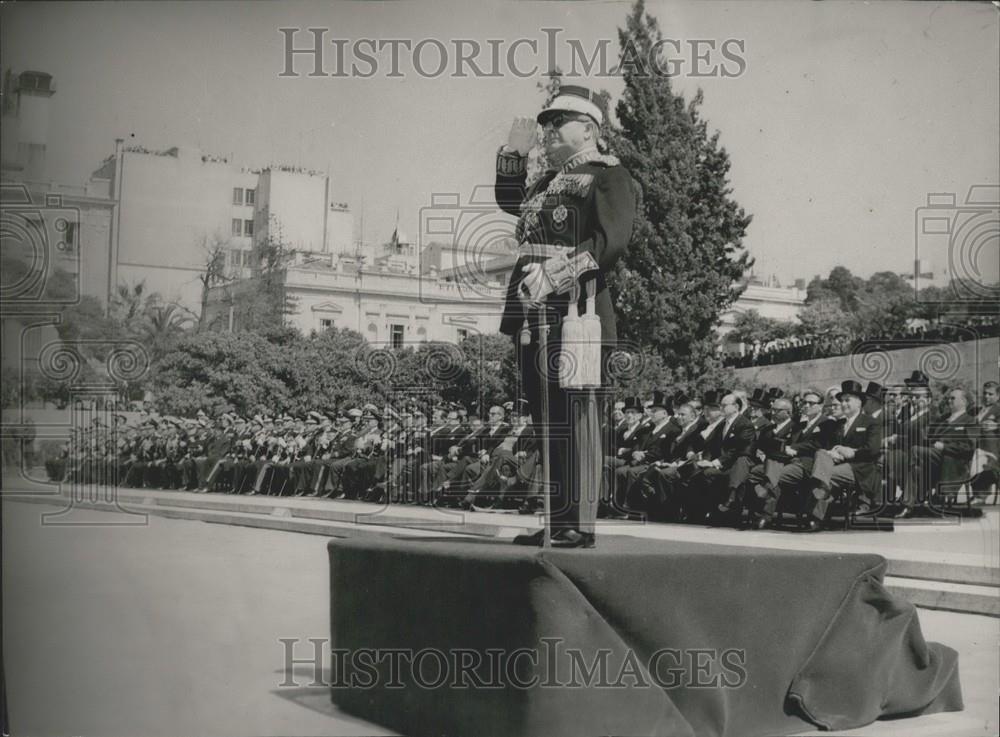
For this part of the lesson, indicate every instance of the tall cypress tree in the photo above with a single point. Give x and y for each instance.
(685, 265)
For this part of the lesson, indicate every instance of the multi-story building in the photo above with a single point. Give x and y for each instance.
(178, 206)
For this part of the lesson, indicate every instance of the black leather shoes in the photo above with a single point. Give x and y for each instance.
(535, 539)
(764, 523)
(814, 525)
(574, 539)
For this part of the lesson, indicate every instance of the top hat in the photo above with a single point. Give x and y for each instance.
(775, 393)
(523, 408)
(759, 398)
(711, 398)
(634, 404)
(875, 391)
(917, 378)
(573, 98)
(851, 387)
(660, 401)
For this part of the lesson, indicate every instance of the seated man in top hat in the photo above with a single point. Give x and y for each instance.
(908, 427)
(851, 462)
(664, 481)
(716, 479)
(655, 445)
(942, 457)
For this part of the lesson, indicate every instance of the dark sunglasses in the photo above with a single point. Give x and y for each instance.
(560, 119)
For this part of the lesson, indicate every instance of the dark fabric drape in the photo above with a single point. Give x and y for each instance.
(813, 639)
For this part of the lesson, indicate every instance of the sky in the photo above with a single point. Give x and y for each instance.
(845, 117)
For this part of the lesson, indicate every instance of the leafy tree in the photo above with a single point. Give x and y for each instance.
(752, 328)
(686, 262)
(883, 304)
(826, 323)
(489, 374)
(841, 283)
(221, 372)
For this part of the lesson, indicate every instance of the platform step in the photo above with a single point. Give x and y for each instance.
(920, 570)
(952, 597)
(271, 519)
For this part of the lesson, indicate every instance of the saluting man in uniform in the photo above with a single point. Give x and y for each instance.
(586, 203)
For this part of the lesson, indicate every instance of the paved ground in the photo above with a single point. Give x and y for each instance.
(173, 628)
(168, 629)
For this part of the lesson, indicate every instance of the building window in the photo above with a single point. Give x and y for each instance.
(396, 336)
(462, 334)
(251, 196)
(248, 228)
(237, 227)
(237, 195)
(326, 323)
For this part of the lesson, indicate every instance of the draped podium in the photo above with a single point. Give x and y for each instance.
(635, 637)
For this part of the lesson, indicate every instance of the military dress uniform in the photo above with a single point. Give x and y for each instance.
(588, 205)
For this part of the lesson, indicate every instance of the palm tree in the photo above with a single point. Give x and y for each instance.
(130, 305)
(161, 325)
